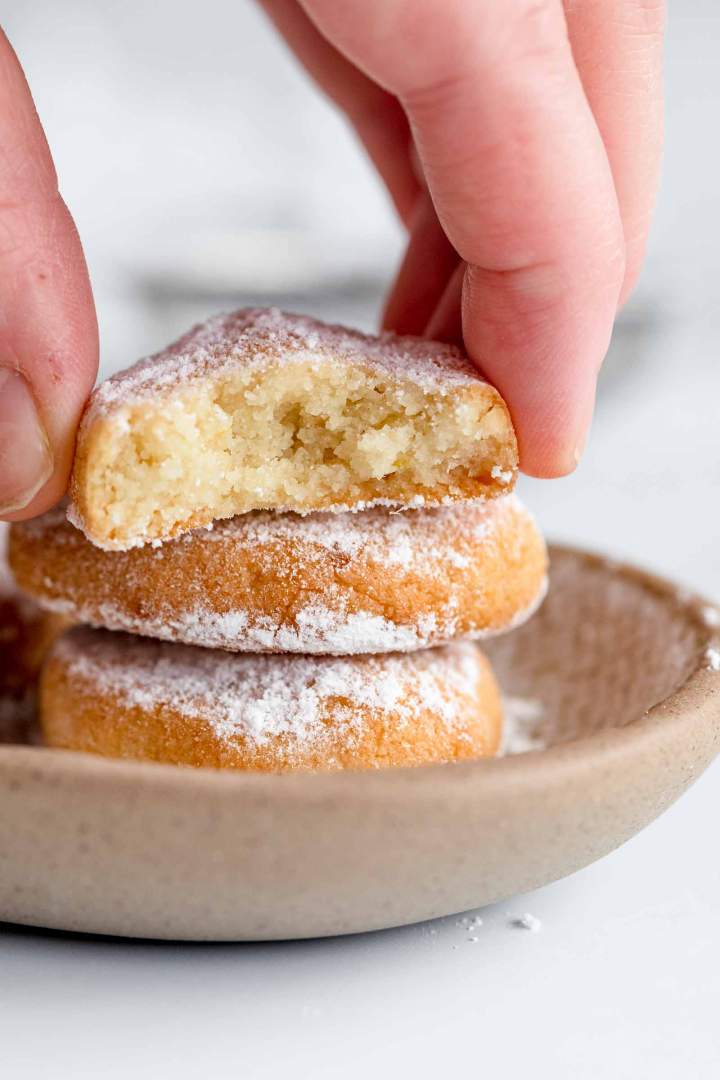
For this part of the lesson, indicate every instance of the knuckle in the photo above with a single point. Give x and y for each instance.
(525, 299)
(513, 301)
(435, 95)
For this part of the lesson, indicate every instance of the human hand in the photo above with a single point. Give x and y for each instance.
(48, 332)
(520, 141)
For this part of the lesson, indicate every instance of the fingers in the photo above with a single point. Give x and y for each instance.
(618, 50)
(522, 187)
(617, 47)
(376, 115)
(537, 313)
(429, 262)
(48, 333)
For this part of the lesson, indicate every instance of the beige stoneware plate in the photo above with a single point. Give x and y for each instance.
(626, 667)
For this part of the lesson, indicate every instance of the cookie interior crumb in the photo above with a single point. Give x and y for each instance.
(300, 436)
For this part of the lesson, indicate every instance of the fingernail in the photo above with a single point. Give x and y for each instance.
(26, 461)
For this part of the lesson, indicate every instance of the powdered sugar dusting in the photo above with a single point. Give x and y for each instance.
(408, 538)
(522, 726)
(256, 337)
(317, 630)
(526, 921)
(504, 476)
(412, 539)
(712, 658)
(258, 698)
(361, 547)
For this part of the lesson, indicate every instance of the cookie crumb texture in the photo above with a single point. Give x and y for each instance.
(263, 410)
(127, 697)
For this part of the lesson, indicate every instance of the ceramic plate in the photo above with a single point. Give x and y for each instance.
(618, 680)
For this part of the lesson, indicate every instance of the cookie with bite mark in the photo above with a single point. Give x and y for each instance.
(261, 410)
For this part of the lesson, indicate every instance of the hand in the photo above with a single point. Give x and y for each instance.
(520, 141)
(48, 332)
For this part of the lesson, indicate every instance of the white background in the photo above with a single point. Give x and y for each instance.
(204, 171)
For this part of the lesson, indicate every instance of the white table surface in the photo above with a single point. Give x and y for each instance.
(623, 978)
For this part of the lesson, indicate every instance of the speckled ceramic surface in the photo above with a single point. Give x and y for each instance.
(626, 668)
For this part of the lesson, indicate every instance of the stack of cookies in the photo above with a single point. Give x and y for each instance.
(283, 540)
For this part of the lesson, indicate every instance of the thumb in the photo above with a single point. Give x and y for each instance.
(48, 331)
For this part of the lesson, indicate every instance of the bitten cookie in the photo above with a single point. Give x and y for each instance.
(127, 697)
(263, 410)
(369, 582)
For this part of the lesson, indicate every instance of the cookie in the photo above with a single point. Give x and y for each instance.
(123, 696)
(260, 410)
(370, 582)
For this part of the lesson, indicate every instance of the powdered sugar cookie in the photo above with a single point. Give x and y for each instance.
(264, 410)
(130, 697)
(374, 581)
